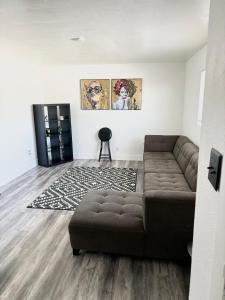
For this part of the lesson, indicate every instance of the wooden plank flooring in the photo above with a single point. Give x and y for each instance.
(36, 261)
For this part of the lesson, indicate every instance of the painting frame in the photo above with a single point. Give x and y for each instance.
(95, 94)
(120, 90)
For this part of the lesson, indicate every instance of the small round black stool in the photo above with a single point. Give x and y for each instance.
(105, 135)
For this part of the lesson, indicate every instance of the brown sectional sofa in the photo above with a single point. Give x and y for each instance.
(170, 178)
(158, 223)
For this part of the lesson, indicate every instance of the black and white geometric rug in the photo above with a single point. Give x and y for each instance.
(68, 190)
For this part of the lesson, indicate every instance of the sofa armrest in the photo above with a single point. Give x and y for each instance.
(169, 211)
(159, 143)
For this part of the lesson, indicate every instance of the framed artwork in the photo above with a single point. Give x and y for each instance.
(95, 94)
(126, 94)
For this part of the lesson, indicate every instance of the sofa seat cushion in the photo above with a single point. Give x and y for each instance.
(161, 166)
(169, 182)
(109, 221)
(158, 155)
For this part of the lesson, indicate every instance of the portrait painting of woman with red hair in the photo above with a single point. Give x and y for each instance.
(126, 94)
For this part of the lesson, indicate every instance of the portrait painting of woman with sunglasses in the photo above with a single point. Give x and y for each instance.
(95, 94)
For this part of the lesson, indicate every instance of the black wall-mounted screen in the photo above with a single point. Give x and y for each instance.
(215, 164)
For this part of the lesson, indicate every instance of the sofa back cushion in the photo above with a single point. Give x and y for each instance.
(159, 143)
(183, 151)
(185, 155)
(179, 144)
(192, 171)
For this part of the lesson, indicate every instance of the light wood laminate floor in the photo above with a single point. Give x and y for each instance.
(36, 260)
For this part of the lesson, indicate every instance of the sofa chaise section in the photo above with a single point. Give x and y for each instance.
(109, 221)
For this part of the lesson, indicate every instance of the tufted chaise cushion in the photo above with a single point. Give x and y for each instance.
(165, 182)
(109, 221)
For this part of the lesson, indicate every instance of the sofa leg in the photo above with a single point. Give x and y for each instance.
(76, 252)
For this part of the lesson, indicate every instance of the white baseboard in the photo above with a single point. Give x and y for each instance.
(114, 156)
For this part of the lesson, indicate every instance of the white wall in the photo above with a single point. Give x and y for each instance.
(161, 113)
(24, 83)
(193, 69)
(20, 87)
(209, 232)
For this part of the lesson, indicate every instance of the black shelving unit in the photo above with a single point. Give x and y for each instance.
(53, 133)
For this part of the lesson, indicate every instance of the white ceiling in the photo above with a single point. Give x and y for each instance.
(116, 31)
